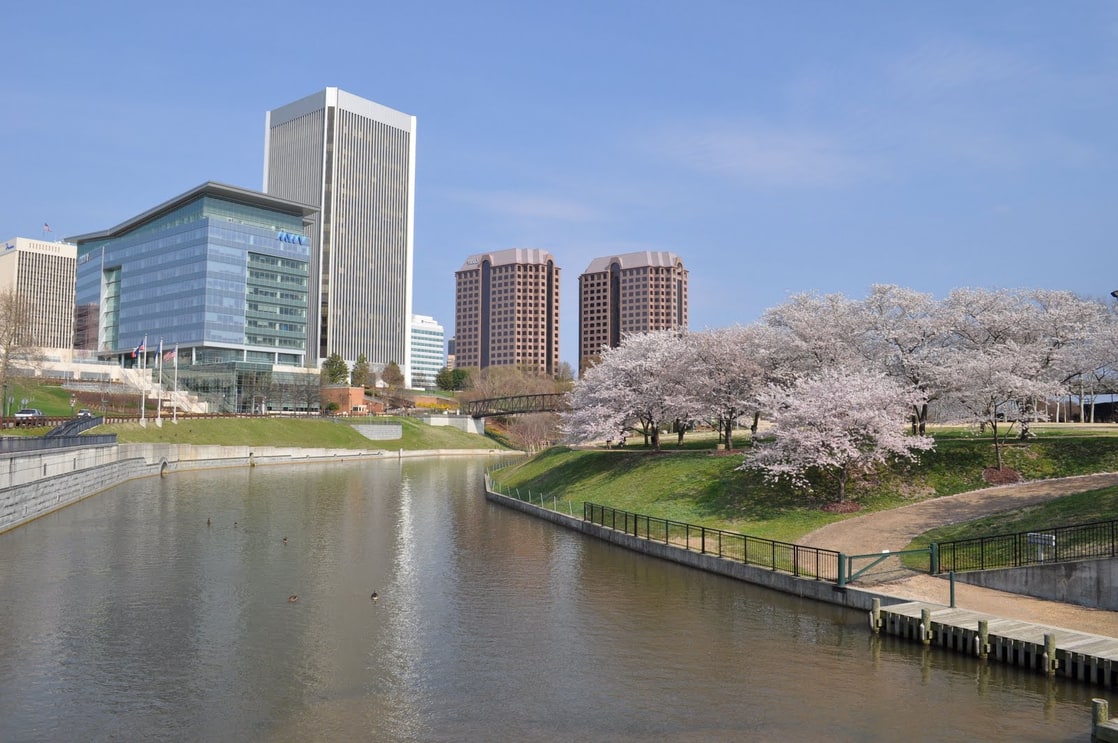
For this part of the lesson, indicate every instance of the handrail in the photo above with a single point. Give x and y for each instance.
(797, 559)
(1095, 540)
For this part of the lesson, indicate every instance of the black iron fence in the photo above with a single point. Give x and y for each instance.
(1059, 544)
(796, 559)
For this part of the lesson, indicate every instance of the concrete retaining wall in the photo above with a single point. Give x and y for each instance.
(22, 503)
(380, 432)
(465, 423)
(27, 467)
(818, 590)
(1086, 582)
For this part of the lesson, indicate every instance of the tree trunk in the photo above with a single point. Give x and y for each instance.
(656, 438)
(729, 435)
(923, 419)
(997, 441)
(842, 484)
(753, 428)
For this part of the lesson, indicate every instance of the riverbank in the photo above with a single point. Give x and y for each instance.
(33, 484)
(1015, 642)
(894, 530)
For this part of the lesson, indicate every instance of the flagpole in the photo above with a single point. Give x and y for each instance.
(159, 404)
(143, 379)
(175, 406)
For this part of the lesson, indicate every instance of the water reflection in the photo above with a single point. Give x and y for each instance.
(126, 616)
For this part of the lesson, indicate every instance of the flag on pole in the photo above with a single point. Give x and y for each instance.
(46, 227)
(138, 349)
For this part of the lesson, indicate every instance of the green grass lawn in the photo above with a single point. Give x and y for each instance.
(689, 484)
(51, 399)
(297, 432)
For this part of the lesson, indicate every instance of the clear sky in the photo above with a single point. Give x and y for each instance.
(776, 147)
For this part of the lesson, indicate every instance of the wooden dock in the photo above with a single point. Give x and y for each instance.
(1092, 659)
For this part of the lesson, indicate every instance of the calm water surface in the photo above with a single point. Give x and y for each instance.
(125, 617)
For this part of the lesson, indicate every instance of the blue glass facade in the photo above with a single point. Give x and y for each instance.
(220, 272)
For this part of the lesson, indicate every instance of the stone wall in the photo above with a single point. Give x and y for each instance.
(1084, 582)
(30, 500)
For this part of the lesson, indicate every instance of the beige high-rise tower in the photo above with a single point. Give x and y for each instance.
(42, 274)
(507, 311)
(354, 160)
(629, 293)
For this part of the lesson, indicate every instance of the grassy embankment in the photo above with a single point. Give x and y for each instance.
(689, 484)
(297, 432)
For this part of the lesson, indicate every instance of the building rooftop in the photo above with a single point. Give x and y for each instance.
(534, 256)
(639, 259)
(223, 191)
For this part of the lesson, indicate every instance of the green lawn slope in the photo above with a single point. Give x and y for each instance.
(297, 432)
(694, 486)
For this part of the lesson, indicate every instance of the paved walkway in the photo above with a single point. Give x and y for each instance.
(895, 529)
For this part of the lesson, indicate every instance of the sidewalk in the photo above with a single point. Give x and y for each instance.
(894, 530)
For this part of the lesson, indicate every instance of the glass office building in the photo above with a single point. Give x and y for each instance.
(218, 273)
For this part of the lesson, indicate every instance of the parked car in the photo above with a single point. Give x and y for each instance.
(30, 417)
(84, 413)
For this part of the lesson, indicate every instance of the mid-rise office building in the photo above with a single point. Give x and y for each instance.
(507, 311)
(355, 161)
(41, 273)
(427, 355)
(219, 272)
(631, 293)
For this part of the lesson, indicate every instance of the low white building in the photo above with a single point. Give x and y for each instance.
(427, 354)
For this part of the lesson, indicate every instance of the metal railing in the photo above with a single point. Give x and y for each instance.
(799, 560)
(21, 444)
(1058, 544)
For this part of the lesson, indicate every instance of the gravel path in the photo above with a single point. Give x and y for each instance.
(894, 529)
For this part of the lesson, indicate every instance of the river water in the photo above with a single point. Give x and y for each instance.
(127, 617)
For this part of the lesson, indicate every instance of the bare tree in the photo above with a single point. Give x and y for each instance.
(534, 431)
(18, 354)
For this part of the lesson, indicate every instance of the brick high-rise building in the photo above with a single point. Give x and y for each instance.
(507, 311)
(630, 293)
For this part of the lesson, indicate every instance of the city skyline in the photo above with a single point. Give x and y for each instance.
(812, 148)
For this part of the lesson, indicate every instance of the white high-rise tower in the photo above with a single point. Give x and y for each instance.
(355, 161)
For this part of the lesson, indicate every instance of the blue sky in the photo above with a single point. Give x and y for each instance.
(776, 147)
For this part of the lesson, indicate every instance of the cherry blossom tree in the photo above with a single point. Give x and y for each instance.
(729, 373)
(641, 383)
(837, 422)
(817, 332)
(905, 334)
(997, 386)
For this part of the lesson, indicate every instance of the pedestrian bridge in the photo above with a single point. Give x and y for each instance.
(550, 402)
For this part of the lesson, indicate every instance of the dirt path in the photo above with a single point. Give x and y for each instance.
(894, 529)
